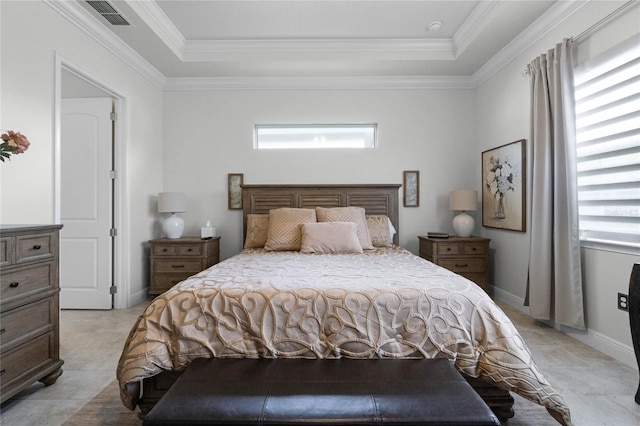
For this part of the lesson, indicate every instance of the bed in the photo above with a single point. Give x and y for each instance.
(323, 298)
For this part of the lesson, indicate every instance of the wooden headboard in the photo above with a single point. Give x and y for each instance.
(375, 199)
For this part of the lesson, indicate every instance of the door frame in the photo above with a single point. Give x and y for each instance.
(121, 244)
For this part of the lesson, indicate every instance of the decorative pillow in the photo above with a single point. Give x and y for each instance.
(284, 228)
(348, 214)
(379, 230)
(257, 228)
(330, 237)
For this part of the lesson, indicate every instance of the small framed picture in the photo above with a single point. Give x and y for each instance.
(504, 186)
(235, 190)
(411, 187)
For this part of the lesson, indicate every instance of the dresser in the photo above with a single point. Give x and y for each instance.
(29, 307)
(173, 260)
(468, 256)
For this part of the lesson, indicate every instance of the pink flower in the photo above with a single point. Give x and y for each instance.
(13, 143)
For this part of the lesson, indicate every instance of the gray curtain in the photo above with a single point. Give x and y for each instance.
(554, 287)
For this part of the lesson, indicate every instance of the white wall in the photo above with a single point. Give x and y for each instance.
(210, 133)
(32, 34)
(502, 116)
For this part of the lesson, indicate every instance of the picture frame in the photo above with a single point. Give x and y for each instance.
(235, 181)
(411, 188)
(504, 187)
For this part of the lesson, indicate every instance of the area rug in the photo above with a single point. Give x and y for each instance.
(107, 409)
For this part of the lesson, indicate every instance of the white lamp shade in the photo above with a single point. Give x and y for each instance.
(464, 200)
(172, 202)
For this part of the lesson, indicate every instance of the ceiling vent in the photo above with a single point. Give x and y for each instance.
(108, 12)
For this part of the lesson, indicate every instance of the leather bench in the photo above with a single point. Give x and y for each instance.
(323, 392)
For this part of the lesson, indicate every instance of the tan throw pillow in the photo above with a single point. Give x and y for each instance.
(284, 228)
(379, 230)
(257, 228)
(330, 237)
(348, 214)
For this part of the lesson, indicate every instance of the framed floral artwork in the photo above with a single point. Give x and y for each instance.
(504, 187)
(411, 187)
(235, 190)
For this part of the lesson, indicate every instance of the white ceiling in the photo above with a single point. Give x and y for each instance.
(328, 38)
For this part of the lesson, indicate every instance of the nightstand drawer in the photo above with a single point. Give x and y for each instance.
(448, 248)
(177, 265)
(177, 250)
(471, 249)
(163, 282)
(463, 265)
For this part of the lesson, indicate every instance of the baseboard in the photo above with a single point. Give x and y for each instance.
(616, 350)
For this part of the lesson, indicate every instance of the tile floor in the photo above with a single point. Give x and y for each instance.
(598, 389)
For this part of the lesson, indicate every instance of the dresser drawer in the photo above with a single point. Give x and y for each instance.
(6, 251)
(177, 265)
(463, 265)
(26, 358)
(177, 250)
(24, 322)
(23, 281)
(34, 247)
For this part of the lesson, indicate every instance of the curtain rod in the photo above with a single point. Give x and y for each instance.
(594, 27)
(604, 20)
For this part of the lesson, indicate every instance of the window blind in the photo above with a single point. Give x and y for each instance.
(607, 93)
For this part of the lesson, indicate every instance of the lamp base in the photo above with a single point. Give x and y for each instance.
(173, 226)
(463, 224)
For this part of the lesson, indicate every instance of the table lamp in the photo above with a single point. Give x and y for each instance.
(463, 200)
(172, 202)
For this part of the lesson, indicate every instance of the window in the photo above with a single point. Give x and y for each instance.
(607, 92)
(360, 136)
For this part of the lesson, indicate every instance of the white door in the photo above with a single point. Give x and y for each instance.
(86, 204)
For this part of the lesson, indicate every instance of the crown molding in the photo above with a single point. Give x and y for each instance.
(160, 24)
(429, 49)
(553, 17)
(82, 19)
(379, 49)
(472, 26)
(320, 83)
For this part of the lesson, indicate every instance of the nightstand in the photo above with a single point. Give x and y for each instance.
(468, 256)
(173, 260)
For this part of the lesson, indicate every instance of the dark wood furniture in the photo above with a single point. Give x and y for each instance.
(29, 307)
(634, 315)
(468, 256)
(328, 392)
(174, 260)
(375, 199)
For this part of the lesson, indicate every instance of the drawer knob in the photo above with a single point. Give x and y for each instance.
(37, 247)
(448, 248)
(177, 266)
(463, 265)
(189, 249)
(14, 284)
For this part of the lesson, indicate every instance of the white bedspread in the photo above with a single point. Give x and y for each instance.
(385, 303)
